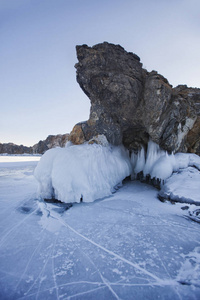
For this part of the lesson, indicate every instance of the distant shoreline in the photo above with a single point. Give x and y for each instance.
(23, 154)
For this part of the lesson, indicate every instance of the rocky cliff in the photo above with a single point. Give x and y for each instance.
(130, 105)
(51, 141)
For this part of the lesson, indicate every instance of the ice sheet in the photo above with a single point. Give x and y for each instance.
(128, 245)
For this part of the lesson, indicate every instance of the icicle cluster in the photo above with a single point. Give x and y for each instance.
(156, 163)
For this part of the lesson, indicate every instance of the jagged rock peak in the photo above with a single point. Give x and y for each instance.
(130, 105)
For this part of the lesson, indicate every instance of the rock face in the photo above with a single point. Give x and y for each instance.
(51, 141)
(130, 105)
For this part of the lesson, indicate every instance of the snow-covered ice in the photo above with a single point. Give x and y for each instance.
(126, 246)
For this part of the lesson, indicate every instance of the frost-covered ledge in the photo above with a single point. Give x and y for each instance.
(93, 170)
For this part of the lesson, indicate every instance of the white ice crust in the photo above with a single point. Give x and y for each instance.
(82, 173)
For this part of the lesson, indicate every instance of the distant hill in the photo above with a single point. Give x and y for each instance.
(51, 141)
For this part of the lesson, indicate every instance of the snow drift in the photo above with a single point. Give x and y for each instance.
(82, 173)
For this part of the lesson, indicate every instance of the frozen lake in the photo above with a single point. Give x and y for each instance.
(126, 246)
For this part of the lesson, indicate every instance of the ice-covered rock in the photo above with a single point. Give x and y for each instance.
(92, 170)
(82, 172)
(183, 186)
(177, 175)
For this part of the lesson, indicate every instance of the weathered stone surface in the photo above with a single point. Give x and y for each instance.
(130, 105)
(77, 136)
(193, 138)
(112, 79)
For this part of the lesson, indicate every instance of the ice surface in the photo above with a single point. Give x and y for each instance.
(126, 246)
(82, 173)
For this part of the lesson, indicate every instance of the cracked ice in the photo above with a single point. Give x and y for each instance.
(126, 246)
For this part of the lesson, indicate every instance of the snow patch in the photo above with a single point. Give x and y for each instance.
(99, 139)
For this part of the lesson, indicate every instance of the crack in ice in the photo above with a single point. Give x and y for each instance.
(53, 269)
(106, 282)
(14, 227)
(30, 259)
(136, 266)
(39, 276)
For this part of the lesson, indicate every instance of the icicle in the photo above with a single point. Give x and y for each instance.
(158, 164)
(153, 154)
(140, 162)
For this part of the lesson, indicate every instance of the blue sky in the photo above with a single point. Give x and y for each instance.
(38, 90)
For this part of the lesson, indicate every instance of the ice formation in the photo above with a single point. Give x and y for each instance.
(82, 173)
(92, 171)
(182, 186)
(159, 164)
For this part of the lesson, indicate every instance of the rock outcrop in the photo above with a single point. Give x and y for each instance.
(130, 105)
(11, 148)
(51, 141)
